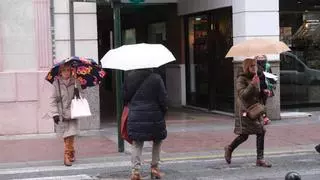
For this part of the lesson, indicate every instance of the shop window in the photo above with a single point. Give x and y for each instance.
(129, 36)
(288, 63)
(300, 68)
(157, 33)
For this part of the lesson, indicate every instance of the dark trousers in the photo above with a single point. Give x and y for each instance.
(263, 99)
(243, 137)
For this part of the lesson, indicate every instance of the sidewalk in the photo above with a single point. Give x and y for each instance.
(189, 133)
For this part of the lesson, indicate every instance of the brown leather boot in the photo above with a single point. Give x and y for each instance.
(72, 151)
(155, 172)
(228, 154)
(135, 175)
(263, 163)
(67, 161)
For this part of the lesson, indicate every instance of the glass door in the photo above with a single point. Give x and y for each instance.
(221, 89)
(197, 65)
(209, 74)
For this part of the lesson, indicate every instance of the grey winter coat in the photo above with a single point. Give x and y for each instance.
(247, 95)
(67, 127)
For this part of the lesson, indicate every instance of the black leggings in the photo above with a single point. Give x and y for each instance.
(243, 137)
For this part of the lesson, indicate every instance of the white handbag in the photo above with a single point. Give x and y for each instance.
(80, 108)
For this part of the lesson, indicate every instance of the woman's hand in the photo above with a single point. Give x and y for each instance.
(255, 80)
(56, 119)
(267, 92)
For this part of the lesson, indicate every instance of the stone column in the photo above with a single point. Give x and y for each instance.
(86, 45)
(257, 19)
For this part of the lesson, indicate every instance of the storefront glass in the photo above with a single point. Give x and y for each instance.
(209, 75)
(300, 68)
(197, 66)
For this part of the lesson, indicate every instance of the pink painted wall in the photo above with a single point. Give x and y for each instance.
(24, 97)
(24, 103)
(1, 58)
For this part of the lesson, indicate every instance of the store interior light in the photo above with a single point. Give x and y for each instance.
(198, 19)
(299, 2)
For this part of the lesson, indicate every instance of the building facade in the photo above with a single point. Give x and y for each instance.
(34, 34)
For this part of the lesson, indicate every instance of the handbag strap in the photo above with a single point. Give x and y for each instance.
(138, 89)
(76, 89)
(60, 99)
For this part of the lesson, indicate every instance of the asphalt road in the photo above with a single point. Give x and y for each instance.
(182, 168)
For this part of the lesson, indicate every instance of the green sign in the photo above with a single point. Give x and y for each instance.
(136, 1)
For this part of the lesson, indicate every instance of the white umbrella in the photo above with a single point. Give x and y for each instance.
(137, 56)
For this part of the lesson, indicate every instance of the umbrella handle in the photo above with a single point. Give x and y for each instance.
(75, 78)
(75, 83)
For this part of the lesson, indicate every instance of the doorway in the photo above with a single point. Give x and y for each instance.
(143, 23)
(209, 75)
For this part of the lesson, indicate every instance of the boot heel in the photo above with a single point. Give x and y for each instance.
(263, 163)
(227, 154)
(67, 161)
(153, 176)
(155, 173)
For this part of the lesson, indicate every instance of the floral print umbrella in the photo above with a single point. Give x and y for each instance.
(87, 71)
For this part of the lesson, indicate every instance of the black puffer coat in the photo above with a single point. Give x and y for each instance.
(146, 96)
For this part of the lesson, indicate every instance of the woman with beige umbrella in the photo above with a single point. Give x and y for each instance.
(249, 119)
(248, 94)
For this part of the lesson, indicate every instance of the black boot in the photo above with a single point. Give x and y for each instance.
(228, 154)
(317, 148)
(260, 151)
(235, 143)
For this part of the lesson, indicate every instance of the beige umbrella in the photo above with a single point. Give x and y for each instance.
(255, 47)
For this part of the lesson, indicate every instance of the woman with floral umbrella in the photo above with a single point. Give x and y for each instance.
(68, 78)
(86, 70)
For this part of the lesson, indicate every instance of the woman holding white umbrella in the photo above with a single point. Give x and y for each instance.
(146, 96)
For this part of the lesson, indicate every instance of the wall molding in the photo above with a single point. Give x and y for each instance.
(1, 50)
(42, 33)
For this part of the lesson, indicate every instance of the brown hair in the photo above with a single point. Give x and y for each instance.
(247, 63)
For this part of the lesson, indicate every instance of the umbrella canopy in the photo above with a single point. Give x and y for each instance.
(86, 70)
(137, 56)
(255, 47)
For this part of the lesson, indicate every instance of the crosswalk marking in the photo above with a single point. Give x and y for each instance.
(63, 168)
(178, 160)
(75, 177)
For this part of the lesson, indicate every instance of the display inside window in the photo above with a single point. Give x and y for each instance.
(300, 68)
